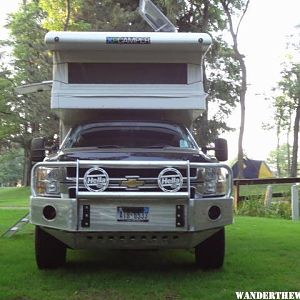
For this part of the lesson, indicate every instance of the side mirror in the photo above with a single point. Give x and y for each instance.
(221, 149)
(37, 149)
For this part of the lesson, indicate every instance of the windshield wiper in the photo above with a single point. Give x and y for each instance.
(109, 146)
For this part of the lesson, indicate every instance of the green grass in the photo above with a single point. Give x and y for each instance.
(14, 197)
(262, 255)
(9, 217)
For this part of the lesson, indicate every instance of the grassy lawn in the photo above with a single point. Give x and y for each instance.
(262, 255)
(14, 197)
(9, 217)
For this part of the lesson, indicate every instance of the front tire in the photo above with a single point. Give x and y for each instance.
(210, 253)
(50, 253)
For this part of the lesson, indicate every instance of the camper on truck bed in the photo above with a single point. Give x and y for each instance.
(128, 173)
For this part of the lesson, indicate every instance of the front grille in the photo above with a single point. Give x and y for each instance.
(125, 179)
(121, 173)
(137, 180)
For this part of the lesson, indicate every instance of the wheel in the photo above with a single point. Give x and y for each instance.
(50, 253)
(210, 253)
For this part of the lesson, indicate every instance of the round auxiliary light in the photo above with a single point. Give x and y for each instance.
(214, 212)
(96, 180)
(170, 180)
(49, 212)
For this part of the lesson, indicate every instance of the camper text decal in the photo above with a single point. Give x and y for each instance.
(128, 40)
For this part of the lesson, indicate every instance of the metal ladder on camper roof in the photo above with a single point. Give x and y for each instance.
(17, 226)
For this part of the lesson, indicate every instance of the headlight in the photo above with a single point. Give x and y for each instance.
(47, 181)
(210, 182)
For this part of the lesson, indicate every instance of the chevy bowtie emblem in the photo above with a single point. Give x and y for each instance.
(132, 183)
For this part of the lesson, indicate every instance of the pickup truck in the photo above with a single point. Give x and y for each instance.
(130, 184)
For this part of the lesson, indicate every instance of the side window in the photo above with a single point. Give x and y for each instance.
(184, 144)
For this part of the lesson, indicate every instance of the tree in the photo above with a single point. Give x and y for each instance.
(278, 159)
(290, 85)
(231, 14)
(287, 104)
(7, 118)
(221, 70)
(30, 114)
(12, 164)
(283, 118)
(91, 15)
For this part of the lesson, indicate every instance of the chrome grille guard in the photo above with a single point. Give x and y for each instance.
(137, 165)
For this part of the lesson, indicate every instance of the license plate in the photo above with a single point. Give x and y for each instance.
(133, 214)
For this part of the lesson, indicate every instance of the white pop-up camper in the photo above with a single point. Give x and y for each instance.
(129, 174)
(126, 71)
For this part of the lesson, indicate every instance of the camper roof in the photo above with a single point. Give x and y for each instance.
(138, 41)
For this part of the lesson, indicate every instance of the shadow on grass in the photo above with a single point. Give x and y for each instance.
(164, 261)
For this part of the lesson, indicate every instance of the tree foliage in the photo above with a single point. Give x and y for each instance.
(91, 15)
(12, 163)
(25, 117)
(278, 159)
(290, 86)
(30, 115)
(287, 105)
(221, 69)
(7, 117)
(60, 15)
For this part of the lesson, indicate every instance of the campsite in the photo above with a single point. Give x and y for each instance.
(253, 169)
(149, 149)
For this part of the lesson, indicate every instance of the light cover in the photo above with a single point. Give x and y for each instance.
(154, 17)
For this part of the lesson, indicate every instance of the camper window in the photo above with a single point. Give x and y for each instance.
(127, 73)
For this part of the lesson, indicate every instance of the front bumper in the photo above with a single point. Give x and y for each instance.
(104, 231)
(90, 219)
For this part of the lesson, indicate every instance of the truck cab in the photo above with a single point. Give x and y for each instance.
(128, 173)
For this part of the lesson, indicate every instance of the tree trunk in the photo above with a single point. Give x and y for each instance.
(68, 15)
(27, 166)
(202, 131)
(288, 145)
(202, 122)
(204, 128)
(294, 165)
(243, 116)
(240, 58)
(278, 149)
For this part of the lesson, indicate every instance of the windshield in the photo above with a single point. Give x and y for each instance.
(129, 136)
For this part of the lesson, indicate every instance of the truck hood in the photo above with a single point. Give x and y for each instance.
(192, 155)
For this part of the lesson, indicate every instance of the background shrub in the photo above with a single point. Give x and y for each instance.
(255, 207)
